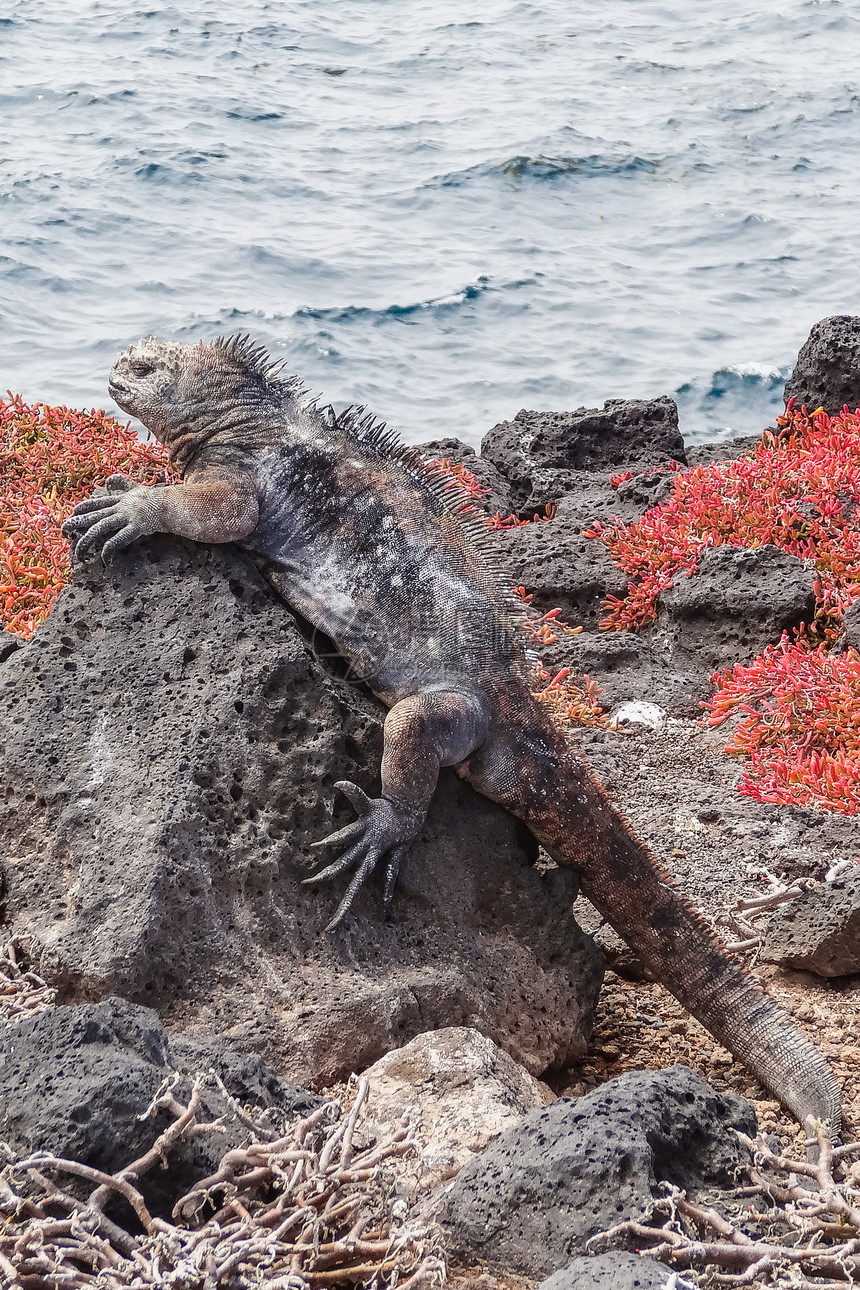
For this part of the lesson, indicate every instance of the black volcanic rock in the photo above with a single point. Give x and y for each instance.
(818, 931)
(625, 433)
(827, 371)
(561, 568)
(737, 602)
(170, 744)
(852, 626)
(76, 1081)
(531, 1200)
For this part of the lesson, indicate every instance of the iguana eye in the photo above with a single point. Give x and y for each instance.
(141, 368)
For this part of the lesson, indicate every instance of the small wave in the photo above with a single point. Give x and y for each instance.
(522, 167)
(740, 377)
(746, 396)
(746, 109)
(248, 114)
(353, 313)
(230, 320)
(765, 372)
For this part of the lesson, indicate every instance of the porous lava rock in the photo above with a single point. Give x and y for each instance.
(851, 619)
(644, 490)
(818, 931)
(460, 1089)
(77, 1080)
(737, 602)
(706, 454)
(561, 569)
(624, 667)
(827, 372)
(616, 1270)
(624, 433)
(170, 742)
(531, 1200)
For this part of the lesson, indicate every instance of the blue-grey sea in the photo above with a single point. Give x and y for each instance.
(445, 211)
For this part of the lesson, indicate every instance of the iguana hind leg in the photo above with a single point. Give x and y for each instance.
(421, 733)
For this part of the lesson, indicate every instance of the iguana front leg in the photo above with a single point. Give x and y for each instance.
(422, 733)
(209, 508)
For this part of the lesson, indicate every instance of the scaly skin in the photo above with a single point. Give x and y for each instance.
(362, 540)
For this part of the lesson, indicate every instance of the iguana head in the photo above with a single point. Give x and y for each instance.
(188, 394)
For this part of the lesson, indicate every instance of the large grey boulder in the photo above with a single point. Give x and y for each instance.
(168, 747)
(461, 1090)
(827, 371)
(76, 1081)
(578, 1167)
(818, 931)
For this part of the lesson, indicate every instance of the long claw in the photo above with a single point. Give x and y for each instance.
(392, 869)
(77, 524)
(356, 796)
(120, 541)
(99, 532)
(344, 835)
(383, 828)
(90, 505)
(343, 862)
(365, 868)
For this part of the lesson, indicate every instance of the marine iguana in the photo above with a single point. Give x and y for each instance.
(391, 562)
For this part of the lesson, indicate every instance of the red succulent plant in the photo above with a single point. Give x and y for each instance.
(50, 459)
(798, 489)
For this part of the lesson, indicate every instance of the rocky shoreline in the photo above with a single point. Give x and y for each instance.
(171, 737)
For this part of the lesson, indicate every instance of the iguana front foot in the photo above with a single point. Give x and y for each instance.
(382, 827)
(114, 520)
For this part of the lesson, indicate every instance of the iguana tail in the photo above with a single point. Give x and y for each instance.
(540, 778)
(632, 892)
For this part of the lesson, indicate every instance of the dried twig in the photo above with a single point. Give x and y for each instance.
(306, 1210)
(807, 1200)
(22, 994)
(742, 915)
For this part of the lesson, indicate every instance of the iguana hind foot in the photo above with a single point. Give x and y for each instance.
(381, 828)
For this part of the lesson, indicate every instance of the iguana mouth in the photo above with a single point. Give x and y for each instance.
(120, 393)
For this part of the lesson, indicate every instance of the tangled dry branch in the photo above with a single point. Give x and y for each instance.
(744, 914)
(305, 1210)
(22, 993)
(809, 1227)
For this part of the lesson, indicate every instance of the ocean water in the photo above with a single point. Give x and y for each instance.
(445, 211)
